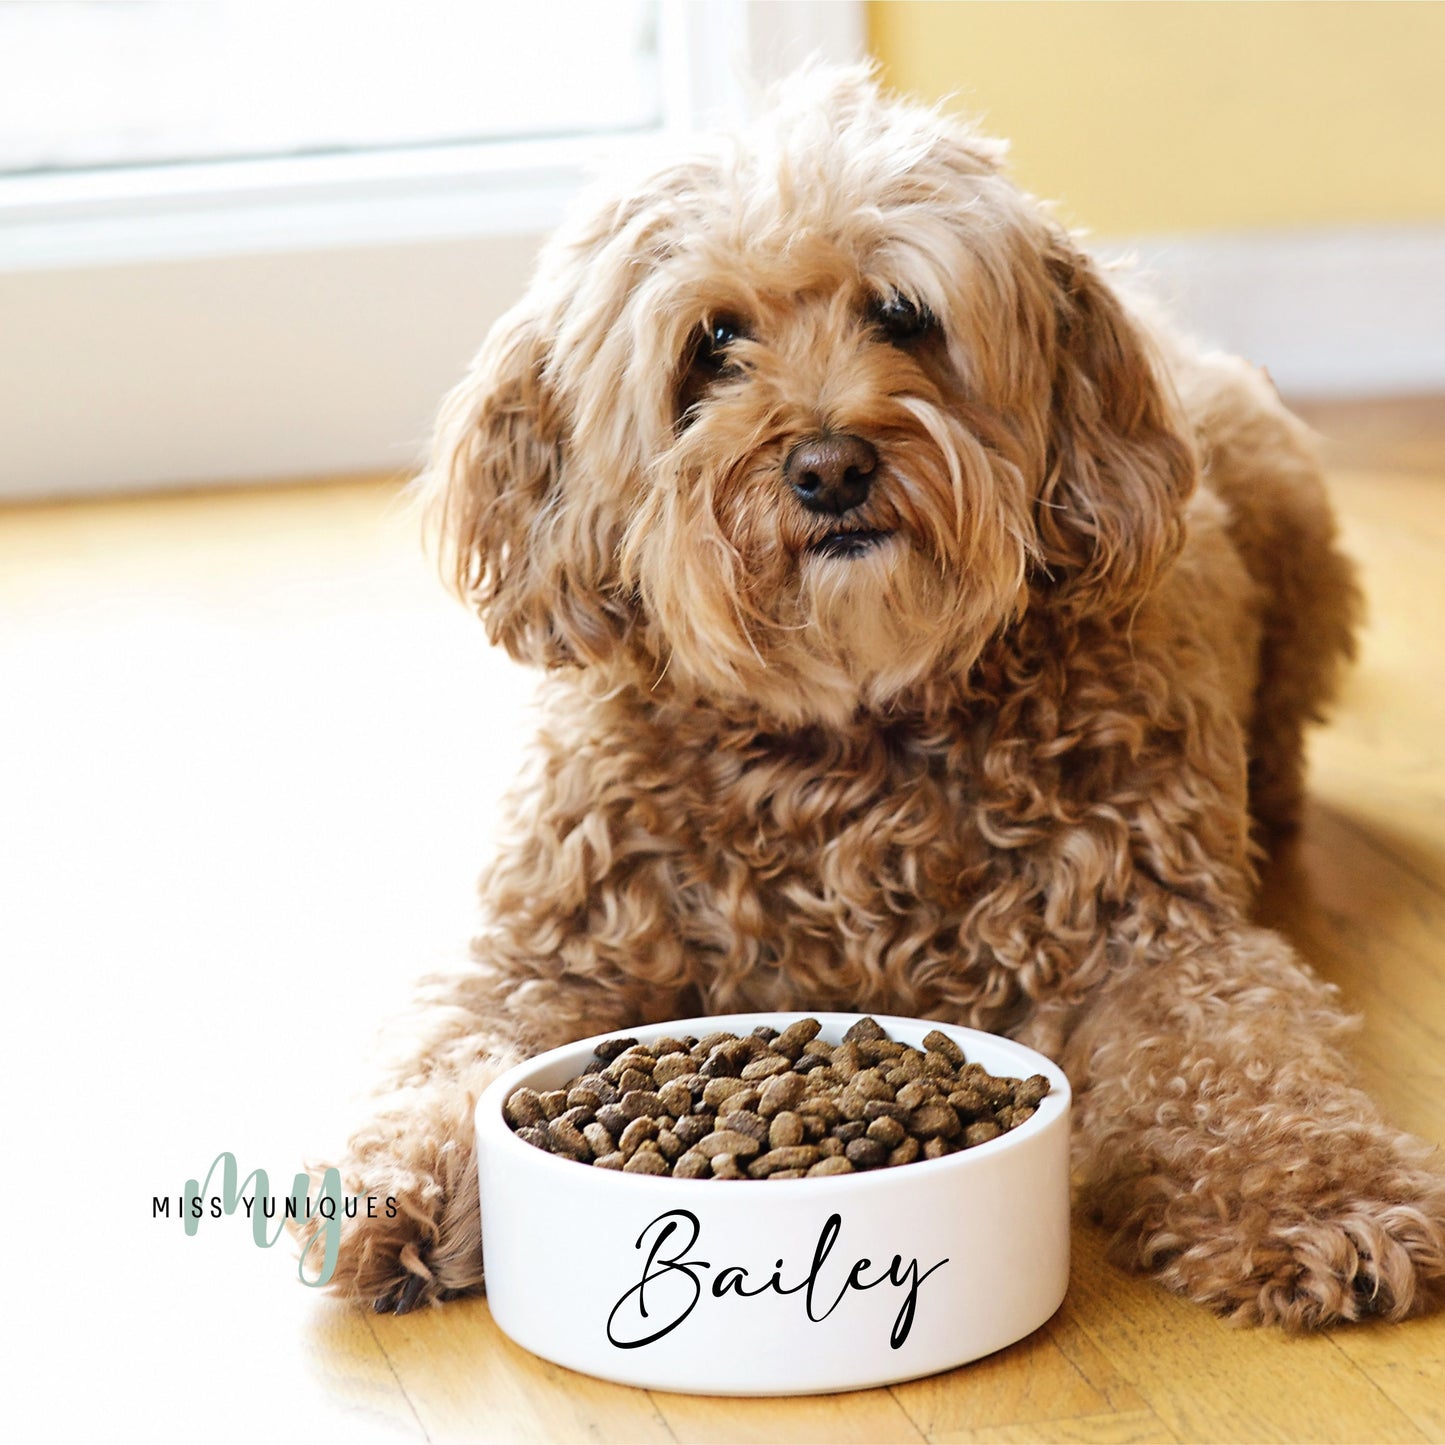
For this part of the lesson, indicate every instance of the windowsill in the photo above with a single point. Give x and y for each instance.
(104, 217)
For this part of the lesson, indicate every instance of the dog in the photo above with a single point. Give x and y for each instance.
(929, 631)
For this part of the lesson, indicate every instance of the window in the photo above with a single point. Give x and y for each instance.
(86, 85)
(251, 239)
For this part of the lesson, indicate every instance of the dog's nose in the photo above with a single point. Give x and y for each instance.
(831, 473)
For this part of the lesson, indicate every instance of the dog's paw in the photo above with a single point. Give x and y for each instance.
(1300, 1265)
(1380, 1259)
(415, 1234)
(410, 1281)
(414, 1291)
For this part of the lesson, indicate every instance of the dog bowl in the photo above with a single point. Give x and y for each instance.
(777, 1287)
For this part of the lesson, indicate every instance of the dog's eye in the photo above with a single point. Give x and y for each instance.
(902, 319)
(707, 363)
(717, 335)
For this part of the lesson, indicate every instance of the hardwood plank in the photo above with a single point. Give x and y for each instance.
(1207, 1381)
(1138, 1427)
(1073, 1340)
(1407, 1363)
(468, 1381)
(342, 1350)
(864, 1417)
(1032, 1381)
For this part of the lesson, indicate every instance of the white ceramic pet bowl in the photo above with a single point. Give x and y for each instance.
(770, 1288)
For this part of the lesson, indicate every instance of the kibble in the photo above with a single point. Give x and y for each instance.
(772, 1105)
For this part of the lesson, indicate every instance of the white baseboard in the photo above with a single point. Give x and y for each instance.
(1333, 312)
(180, 373)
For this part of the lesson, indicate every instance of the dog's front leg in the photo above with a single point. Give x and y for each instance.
(421, 1240)
(1222, 1136)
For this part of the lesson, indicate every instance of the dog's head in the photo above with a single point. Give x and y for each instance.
(806, 422)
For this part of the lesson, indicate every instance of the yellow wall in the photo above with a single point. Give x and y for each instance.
(1161, 117)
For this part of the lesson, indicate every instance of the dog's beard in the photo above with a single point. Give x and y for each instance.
(755, 600)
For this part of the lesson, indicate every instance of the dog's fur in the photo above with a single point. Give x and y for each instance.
(1006, 767)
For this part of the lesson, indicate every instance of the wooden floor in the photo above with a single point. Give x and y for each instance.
(250, 757)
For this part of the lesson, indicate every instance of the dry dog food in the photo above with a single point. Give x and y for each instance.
(772, 1105)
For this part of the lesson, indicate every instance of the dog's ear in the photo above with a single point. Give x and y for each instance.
(509, 544)
(1119, 469)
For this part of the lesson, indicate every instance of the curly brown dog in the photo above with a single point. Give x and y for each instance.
(929, 633)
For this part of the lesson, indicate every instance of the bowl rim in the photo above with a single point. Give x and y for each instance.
(500, 1134)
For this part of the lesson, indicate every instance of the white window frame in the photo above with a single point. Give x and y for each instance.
(248, 320)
